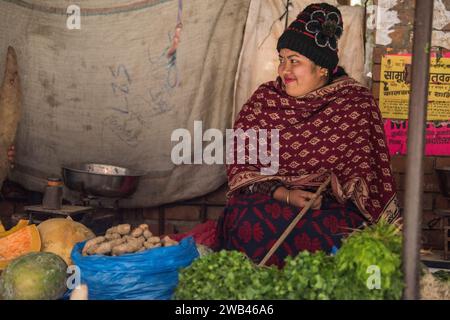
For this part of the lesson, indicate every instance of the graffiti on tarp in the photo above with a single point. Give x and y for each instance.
(164, 71)
(125, 124)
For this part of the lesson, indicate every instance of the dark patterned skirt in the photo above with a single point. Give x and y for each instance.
(252, 224)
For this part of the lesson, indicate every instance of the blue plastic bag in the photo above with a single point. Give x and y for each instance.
(334, 250)
(147, 275)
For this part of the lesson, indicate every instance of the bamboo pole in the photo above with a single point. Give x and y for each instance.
(418, 101)
(294, 222)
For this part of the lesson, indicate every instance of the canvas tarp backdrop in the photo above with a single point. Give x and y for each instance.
(259, 57)
(107, 93)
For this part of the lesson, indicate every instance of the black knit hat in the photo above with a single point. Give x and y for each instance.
(314, 34)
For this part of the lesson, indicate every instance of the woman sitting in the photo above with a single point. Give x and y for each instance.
(329, 126)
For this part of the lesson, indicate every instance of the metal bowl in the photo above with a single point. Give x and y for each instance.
(101, 180)
(444, 180)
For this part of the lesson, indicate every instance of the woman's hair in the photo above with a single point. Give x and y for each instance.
(340, 71)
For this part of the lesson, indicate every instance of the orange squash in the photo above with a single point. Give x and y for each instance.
(21, 242)
(21, 224)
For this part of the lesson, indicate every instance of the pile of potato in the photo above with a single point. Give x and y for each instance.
(121, 239)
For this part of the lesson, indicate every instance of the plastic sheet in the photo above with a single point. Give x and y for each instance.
(148, 275)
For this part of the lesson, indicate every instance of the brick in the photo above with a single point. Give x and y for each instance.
(376, 90)
(441, 202)
(218, 196)
(429, 164)
(399, 164)
(183, 213)
(399, 181)
(153, 226)
(444, 184)
(214, 213)
(376, 72)
(378, 53)
(427, 200)
(197, 200)
(132, 216)
(169, 228)
(430, 220)
(184, 226)
(430, 183)
(442, 162)
(432, 239)
(151, 213)
(401, 200)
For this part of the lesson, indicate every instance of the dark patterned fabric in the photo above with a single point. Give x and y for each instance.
(335, 131)
(252, 223)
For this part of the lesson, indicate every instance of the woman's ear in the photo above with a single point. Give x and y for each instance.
(324, 72)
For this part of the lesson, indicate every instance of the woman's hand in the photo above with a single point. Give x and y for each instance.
(11, 155)
(297, 198)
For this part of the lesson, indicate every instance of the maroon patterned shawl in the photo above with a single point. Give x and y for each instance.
(336, 130)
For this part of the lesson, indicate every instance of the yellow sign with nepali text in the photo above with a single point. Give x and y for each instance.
(394, 87)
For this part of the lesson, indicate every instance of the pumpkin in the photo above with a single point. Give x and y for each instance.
(34, 276)
(23, 241)
(19, 225)
(59, 236)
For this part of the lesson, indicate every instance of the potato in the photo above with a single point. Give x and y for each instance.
(148, 245)
(120, 249)
(92, 244)
(168, 242)
(112, 236)
(103, 248)
(148, 234)
(122, 229)
(154, 240)
(137, 232)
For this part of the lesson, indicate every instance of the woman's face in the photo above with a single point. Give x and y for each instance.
(299, 74)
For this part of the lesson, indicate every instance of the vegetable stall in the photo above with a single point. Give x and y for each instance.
(132, 263)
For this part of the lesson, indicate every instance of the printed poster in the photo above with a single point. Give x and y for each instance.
(437, 137)
(394, 87)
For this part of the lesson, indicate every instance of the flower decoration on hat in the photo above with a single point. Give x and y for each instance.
(326, 28)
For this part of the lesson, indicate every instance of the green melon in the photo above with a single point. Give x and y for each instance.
(34, 276)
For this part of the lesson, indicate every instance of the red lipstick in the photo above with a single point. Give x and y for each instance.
(288, 80)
